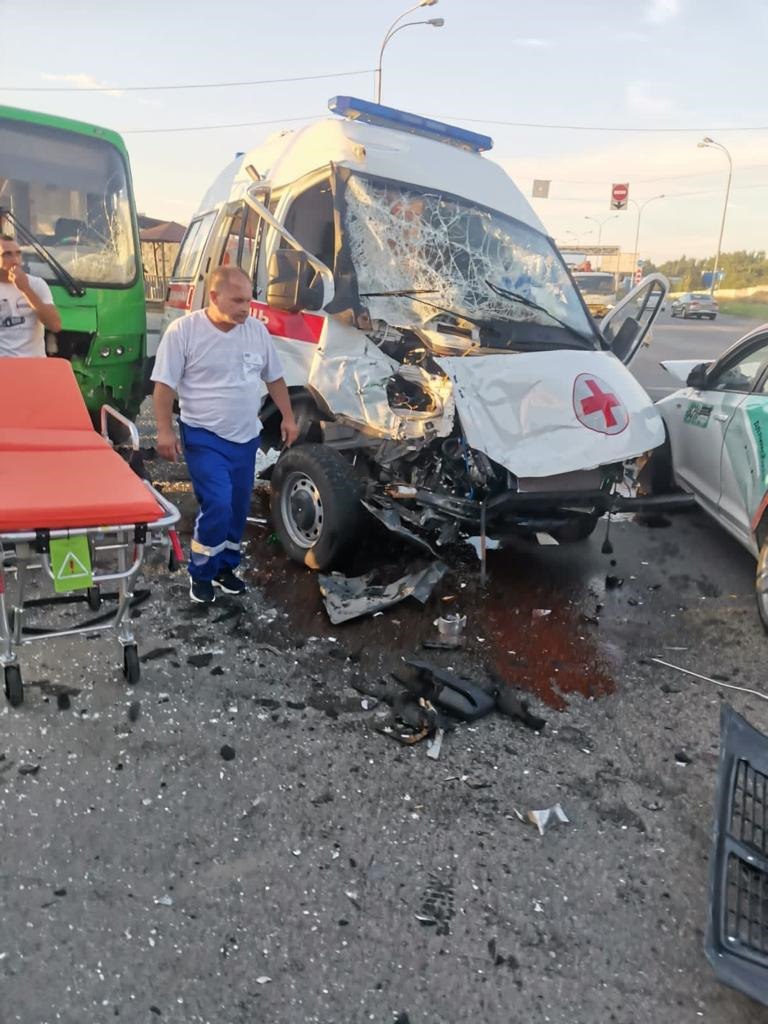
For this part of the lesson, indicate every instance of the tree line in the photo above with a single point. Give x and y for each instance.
(741, 269)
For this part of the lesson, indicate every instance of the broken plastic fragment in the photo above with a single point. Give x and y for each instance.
(546, 818)
(348, 598)
(435, 743)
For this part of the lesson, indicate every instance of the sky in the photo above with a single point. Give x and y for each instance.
(617, 92)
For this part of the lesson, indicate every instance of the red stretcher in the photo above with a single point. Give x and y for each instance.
(61, 481)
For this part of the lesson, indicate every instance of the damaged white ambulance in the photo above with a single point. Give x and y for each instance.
(446, 373)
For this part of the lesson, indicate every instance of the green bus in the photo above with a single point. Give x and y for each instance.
(67, 197)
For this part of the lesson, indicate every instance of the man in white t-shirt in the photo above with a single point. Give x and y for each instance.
(218, 360)
(26, 306)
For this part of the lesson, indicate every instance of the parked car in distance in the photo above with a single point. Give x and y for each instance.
(717, 443)
(695, 304)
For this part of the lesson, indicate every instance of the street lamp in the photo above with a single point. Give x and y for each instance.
(707, 143)
(640, 208)
(577, 237)
(600, 225)
(392, 30)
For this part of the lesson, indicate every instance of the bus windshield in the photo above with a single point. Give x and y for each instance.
(71, 192)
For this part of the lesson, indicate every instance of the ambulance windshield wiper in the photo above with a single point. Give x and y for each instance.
(73, 287)
(407, 292)
(505, 293)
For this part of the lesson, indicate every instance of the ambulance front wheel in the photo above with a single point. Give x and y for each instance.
(131, 669)
(14, 687)
(315, 505)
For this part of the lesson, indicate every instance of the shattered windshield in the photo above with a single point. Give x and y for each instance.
(405, 237)
(72, 193)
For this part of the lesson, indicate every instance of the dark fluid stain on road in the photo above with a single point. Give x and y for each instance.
(541, 641)
(552, 656)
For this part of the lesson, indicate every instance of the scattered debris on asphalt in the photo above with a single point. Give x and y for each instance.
(348, 598)
(134, 710)
(508, 703)
(545, 818)
(227, 752)
(461, 697)
(709, 679)
(29, 769)
(435, 744)
(682, 758)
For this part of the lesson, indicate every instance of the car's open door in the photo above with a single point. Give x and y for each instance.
(630, 320)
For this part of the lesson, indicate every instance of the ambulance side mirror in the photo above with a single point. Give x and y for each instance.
(292, 282)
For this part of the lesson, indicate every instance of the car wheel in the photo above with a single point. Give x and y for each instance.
(761, 585)
(315, 505)
(713, 316)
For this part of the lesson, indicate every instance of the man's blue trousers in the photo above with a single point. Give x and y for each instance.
(221, 472)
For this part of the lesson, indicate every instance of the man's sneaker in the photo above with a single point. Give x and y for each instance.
(229, 582)
(201, 591)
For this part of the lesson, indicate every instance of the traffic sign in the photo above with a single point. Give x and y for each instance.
(619, 196)
(638, 275)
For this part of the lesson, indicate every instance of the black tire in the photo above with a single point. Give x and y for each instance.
(93, 597)
(13, 685)
(577, 530)
(761, 585)
(131, 668)
(660, 468)
(315, 505)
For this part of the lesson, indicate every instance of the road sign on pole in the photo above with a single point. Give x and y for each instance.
(619, 196)
(540, 188)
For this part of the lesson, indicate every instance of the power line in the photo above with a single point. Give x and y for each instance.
(594, 128)
(188, 85)
(211, 127)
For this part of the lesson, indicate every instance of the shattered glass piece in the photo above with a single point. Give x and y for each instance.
(546, 818)
(348, 598)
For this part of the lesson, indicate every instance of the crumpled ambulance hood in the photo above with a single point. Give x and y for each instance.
(543, 413)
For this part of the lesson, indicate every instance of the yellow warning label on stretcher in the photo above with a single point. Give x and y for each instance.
(71, 564)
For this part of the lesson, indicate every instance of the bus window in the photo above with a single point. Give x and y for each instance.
(192, 246)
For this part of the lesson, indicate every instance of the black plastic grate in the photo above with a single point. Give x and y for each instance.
(746, 906)
(749, 817)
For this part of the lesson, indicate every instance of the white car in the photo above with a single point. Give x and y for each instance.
(717, 431)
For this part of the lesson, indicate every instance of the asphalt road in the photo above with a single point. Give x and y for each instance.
(674, 338)
(325, 874)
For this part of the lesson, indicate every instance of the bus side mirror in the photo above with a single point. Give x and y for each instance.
(292, 283)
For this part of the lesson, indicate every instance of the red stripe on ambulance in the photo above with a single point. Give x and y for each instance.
(180, 296)
(306, 327)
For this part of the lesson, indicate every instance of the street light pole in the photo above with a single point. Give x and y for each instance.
(435, 22)
(707, 143)
(600, 224)
(640, 208)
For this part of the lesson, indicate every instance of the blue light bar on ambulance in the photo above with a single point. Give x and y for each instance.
(389, 117)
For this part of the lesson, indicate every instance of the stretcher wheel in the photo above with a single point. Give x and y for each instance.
(94, 598)
(14, 688)
(131, 669)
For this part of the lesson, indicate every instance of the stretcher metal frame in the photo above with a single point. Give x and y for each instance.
(127, 541)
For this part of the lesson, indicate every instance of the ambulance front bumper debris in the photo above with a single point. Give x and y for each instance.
(737, 933)
(348, 598)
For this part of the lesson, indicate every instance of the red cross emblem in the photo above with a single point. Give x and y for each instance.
(597, 407)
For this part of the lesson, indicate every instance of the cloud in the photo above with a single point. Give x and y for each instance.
(642, 98)
(661, 11)
(81, 80)
(532, 43)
